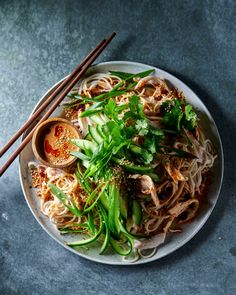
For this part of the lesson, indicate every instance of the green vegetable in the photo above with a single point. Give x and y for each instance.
(85, 145)
(137, 212)
(105, 200)
(91, 239)
(79, 155)
(98, 120)
(123, 198)
(71, 231)
(128, 76)
(92, 195)
(190, 117)
(91, 224)
(107, 229)
(133, 168)
(89, 113)
(177, 152)
(144, 154)
(121, 247)
(83, 182)
(114, 210)
(63, 198)
(95, 201)
(68, 230)
(176, 115)
(95, 134)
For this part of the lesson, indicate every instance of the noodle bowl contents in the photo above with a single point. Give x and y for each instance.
(143, 164)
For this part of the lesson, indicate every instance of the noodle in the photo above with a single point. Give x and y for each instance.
(165, 204)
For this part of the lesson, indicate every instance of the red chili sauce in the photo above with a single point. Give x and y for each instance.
(57, 145)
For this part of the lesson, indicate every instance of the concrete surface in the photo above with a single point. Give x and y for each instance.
(40, 42)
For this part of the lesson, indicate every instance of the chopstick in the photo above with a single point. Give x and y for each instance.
(71, 81)
(49, 100)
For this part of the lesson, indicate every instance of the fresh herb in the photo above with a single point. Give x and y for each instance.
(190, 117)
(177, 114)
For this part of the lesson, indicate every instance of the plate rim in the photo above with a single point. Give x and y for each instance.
(193, 233)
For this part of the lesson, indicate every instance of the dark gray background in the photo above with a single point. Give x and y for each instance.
(41, 42)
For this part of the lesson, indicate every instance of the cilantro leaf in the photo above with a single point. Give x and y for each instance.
(190, 117)
(114, 131)
(176, 114)
(142, 127)
(136, 106)
(172, 114)
(150, 143)
(157, 131)
(128, 132)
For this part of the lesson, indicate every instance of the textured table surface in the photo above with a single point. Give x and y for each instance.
(40, 42)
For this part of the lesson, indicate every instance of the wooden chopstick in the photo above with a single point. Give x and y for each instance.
(49, 100)
(57, 101)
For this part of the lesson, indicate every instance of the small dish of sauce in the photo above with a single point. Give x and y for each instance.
(51, 142)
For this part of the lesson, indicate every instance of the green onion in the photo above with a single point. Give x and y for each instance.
(91, 239)
(107, 236)
(63, 198)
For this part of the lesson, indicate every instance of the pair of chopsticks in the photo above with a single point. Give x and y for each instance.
(61, 91)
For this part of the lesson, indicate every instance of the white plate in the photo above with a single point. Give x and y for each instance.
(174, 241)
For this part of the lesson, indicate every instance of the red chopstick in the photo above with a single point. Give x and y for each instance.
(68, 85)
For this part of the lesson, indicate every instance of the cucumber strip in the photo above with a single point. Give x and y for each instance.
(121, 248)
(98, 120)
(108, 235)
(72, 231)
(91, 196)
(95, 201)
(114, 211)
(124, 206)
(91, 239)
(95, 134)
(85, 144)
(79, 155)
(104, 199)
(101, 132)
(137, 214)
(91, 224)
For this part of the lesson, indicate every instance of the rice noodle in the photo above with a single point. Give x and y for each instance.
(50, 205)
(170, 202)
